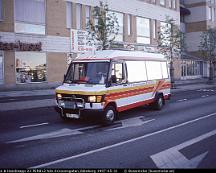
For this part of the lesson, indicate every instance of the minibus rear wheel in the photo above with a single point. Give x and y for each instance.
(109, 115)
(159, 102)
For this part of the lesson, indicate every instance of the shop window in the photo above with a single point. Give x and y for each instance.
(30, 16)
(143, 30)
(30, 67)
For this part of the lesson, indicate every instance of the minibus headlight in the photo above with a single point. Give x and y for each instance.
(59, 96)
(92, 99)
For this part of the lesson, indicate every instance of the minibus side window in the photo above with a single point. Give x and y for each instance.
(153, 70)
(136, 71)
(118, 75)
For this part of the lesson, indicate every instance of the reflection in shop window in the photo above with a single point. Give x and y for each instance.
(30, 67)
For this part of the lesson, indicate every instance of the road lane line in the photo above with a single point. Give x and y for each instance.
(182, 100)
(122, 143)
(126, 124)
(33, 125)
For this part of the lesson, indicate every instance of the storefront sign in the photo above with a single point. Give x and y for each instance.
(19, 46)
(80, 42)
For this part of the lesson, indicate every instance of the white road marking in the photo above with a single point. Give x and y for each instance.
(172, 158)
(33, 125)
(204, 96)
(55, 134)
(132, 122)
(182, 100)
(121, 143)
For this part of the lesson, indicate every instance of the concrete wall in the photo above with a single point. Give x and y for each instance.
(56, 18)
(9, 68)
(56, 66)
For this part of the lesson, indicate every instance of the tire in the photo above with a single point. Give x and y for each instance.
(109, 115)
(63, 116)
(158, 103)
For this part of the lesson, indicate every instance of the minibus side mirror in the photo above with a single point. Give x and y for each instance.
(64, 77)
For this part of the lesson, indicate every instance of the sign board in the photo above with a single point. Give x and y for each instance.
(80, 42)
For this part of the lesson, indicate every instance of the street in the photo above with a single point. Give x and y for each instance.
(181, 135)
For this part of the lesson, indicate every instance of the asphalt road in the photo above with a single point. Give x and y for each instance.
(182, 135)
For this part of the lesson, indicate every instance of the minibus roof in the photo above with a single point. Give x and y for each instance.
(107, 55)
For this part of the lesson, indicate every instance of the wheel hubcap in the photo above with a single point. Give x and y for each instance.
(110, 115)
(160, 102)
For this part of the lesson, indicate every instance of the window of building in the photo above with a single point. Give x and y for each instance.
(79, 16)
(143, 30)
(162, 2)
(1, 10)
(88, 14)
(209, 13)
(191, 68)
(170, 3)
(30, 67)
(119, 17)
(69, 14)
(1, 68)
(136, 71)
(29, 16)
(174, 4)
(129, 24)
(154, 28)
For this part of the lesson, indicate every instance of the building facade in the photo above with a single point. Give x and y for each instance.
(35, 34)
(196, 17)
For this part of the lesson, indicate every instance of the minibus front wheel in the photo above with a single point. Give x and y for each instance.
(109, 115)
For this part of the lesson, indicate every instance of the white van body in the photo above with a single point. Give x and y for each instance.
(113, 81)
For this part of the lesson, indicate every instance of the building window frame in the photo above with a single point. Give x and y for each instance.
(120, 36)
(87, 14)
(69, 14)
(174, 4)
(27, 27)
(143, 36)
(79, 16)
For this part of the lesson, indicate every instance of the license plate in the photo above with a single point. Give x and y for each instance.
(76, 116)
(68, 104)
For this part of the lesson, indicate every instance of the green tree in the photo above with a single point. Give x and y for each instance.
(208, 50)
(170, 42)
(104, 27)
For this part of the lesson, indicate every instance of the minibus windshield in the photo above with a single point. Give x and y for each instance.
(87, 72)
